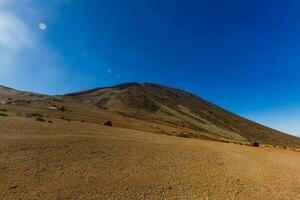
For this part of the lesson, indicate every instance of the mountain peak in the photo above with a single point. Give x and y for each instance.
(178, 108)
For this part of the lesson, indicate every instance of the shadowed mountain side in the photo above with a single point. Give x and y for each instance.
(176, 107)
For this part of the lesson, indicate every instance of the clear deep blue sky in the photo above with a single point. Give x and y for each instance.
(241, 55)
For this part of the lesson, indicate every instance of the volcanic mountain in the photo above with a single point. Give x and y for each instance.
(152, 108)
(178, 108)
(139, 141)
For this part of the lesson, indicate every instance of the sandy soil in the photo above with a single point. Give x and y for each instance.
(75, 160)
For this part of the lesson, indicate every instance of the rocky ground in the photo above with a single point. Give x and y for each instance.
(58, 147)
(82, 160)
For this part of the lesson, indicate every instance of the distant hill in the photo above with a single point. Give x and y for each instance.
(6, 91)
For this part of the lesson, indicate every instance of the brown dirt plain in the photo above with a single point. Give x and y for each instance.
(83, 160)
(77, 158)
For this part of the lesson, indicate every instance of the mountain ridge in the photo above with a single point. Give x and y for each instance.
(191, 115)
(144, 101)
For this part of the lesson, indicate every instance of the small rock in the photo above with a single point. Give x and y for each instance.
(14, 187)
(34, 115)
(39, 119)
(107, 123)
(62, 108)
(255, 144)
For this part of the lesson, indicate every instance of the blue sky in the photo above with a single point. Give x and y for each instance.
(241, 55)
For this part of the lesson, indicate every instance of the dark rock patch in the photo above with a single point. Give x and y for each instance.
(39, 119)
(107, 123)
(3, 115)
(34, 115)
(255, 144)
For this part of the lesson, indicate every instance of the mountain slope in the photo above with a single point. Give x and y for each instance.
(147, 107)
(6, 91)
(160, 104)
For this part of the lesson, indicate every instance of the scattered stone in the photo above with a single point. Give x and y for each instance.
(67, 119)
(53, 107)
(3, 110)
(3, 115)
(50, 121)
(6, 102)
(255, 144)
(14, 187)
(62, 108)
(34, 115)
(107, 123)
(39, 119)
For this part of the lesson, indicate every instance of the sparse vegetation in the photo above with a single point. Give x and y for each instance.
(101, 103)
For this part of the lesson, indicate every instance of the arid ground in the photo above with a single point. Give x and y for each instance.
(163, 144)
(79, 160)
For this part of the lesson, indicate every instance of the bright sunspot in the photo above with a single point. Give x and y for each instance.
(42, 26)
